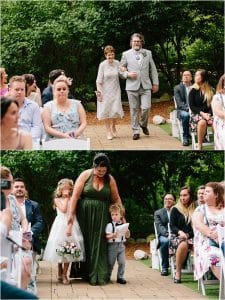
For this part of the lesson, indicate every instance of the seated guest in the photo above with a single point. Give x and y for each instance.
(29, 111)
(47, 94)
(205, 219)
(18, 219)
(200, 98)
(200, 195)
(181, 92)
(32, 90)
(33, 215)
(9, 291)
(3, 83)
(11, 137)
(218, 107)
(162, 218)
(181, 228)
(63, 117)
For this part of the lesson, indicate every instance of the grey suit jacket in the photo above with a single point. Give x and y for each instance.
(181, 98)
(161, 221)
(144, 71)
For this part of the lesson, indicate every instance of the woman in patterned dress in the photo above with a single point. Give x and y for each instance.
(63, 117)
(205, 219)
(109, 105)
(218, 107)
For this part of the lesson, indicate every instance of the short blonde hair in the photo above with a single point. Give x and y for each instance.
(61, 78)
(117, 207)
(5, 172)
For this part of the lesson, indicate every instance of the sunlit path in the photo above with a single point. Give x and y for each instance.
(142, 283)
(158, 139)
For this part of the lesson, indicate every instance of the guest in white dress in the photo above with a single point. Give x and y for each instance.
(205, 220)
(218, 107)
(109, 105)
(54, 251)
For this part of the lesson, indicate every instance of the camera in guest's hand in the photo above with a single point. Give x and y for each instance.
(5, 184)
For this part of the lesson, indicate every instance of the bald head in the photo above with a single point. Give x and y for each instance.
(186, 77)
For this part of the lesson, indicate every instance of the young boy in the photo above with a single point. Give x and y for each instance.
(116, 247)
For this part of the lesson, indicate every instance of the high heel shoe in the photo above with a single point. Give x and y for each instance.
(176, 280)
(109, 136)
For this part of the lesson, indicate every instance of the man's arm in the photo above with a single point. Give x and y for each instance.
(160, 227)
(37, 125)
(181, 105)
(154, 75)
(37, 222)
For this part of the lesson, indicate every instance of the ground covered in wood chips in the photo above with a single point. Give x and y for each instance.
(158, 108)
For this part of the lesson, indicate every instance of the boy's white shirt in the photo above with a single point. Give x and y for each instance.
(121, 230)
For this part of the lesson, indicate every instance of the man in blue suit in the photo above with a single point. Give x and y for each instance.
(181, 92)
(161, 219)
(141, 80)
(32, 212)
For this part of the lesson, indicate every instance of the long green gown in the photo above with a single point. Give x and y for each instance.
(93, 216)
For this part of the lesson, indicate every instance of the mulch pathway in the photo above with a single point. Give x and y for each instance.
(158, 108)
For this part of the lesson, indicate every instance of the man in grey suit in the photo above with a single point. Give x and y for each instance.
(161, 219)
(181, 92)
(139, 66)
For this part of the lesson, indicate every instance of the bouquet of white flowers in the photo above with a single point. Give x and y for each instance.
(69, 251)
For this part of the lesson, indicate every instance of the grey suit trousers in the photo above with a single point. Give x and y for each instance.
(116, 250)
(139, 99)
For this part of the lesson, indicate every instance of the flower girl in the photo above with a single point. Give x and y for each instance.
(60, 248)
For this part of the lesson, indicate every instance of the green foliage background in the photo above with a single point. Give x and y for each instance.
(142, 177)
(39, 36)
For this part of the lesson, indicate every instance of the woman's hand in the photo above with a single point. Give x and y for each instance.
(99, 95)
(182, 235)
(69, 229)
(213, 235)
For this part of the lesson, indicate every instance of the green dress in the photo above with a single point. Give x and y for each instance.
(93, 217)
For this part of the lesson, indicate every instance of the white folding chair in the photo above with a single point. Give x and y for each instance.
(179, 123)
(171, 257)
(204, 281)
(221, 239)
(66, 144)
(158, 250)
(16, 266)
(208, 137)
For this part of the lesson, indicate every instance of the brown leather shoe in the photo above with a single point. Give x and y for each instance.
(136, 136)
(145, 130)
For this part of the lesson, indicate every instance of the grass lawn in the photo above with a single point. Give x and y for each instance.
(212, 291)
(168, 129)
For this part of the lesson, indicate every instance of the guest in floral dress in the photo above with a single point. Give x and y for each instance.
(206, 218)
(218, 107)
(63, 117)
(109, 105)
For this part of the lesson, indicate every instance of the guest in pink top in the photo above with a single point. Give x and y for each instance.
(3, 82)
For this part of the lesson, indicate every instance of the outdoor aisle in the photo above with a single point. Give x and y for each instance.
(158, 139)
(142, 283)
